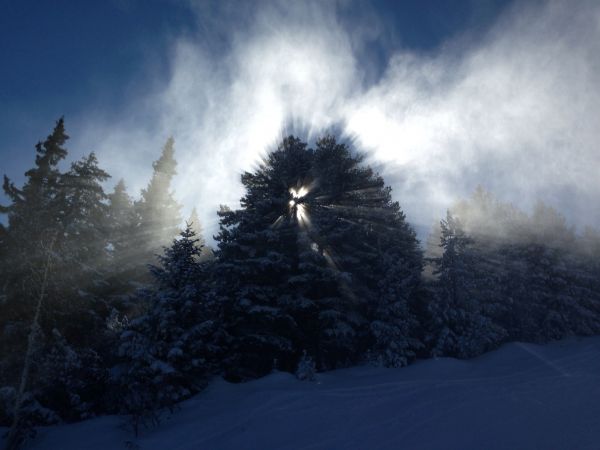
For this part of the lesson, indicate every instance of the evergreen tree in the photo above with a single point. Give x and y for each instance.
(257, 252)
(528, 278)
(300, 263)
(123, 255)
(158, 212)
(85, 222)
(459, 328)
(375, 245)
(35, 216)
(394, 325)
(72, 378)
(171, 349)
(34, 213)
(83, 307)
(557, 299)
(35, 209)
(122, 222)
(206, 253)
(306, 370)
(55, 254)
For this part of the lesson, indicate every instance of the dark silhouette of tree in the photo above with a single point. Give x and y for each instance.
(53, 314)
(206, 254)
(460, 327)
(527, 277)
(34, 220)
(170, 351)
(158, 211)
(301, 263)
(122, 222)
(125, 270)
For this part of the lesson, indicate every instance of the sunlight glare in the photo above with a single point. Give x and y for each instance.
(297, 206)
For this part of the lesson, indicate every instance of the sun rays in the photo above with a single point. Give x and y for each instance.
(298, 206)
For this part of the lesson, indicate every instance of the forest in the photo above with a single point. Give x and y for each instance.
(115, 304)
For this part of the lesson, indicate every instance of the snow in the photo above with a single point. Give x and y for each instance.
(522, 396)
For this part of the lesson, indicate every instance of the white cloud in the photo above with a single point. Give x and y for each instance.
(517, 111)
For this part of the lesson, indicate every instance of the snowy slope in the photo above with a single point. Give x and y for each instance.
(522, 396)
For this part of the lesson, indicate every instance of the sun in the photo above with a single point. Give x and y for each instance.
(297, 204)
(299, 193)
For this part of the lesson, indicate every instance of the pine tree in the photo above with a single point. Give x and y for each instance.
(85, 220)
(257, 252)
(158, 212)
(306, 370)
(123, 255)
(531, 276)
(394, 325)
(122, 222)
(35, 219)
(34, 209)
(369, 239)
(206, 253)
(551, 304)
(74, 377)
(62, 298)
(81, 286)
(460, 328)
(300, 263)
(171, 349)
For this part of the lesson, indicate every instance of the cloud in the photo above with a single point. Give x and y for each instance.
(517, 111)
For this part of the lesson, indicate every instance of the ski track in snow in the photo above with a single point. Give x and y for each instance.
(522, 396)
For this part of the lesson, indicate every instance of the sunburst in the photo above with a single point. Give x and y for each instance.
(297, 205)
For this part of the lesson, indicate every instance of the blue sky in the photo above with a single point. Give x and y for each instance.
(443, 95)
(70, 57)
(67, 57)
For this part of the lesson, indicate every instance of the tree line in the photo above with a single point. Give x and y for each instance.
(317, 269)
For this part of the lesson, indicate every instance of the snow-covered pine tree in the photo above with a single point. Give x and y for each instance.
(35, 208)
(255, 262)
(84, 247)
(394, 325)
(532, 278)
(306, 370)
(300, 262)
(34, 215)
(169, 351)
(60, 216)
(74, 378)
(360, 231)
(34, 222)
(542, 306)
(459, 327)
(77, 309)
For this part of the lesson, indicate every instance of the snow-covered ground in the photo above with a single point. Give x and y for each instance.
(522, 396)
